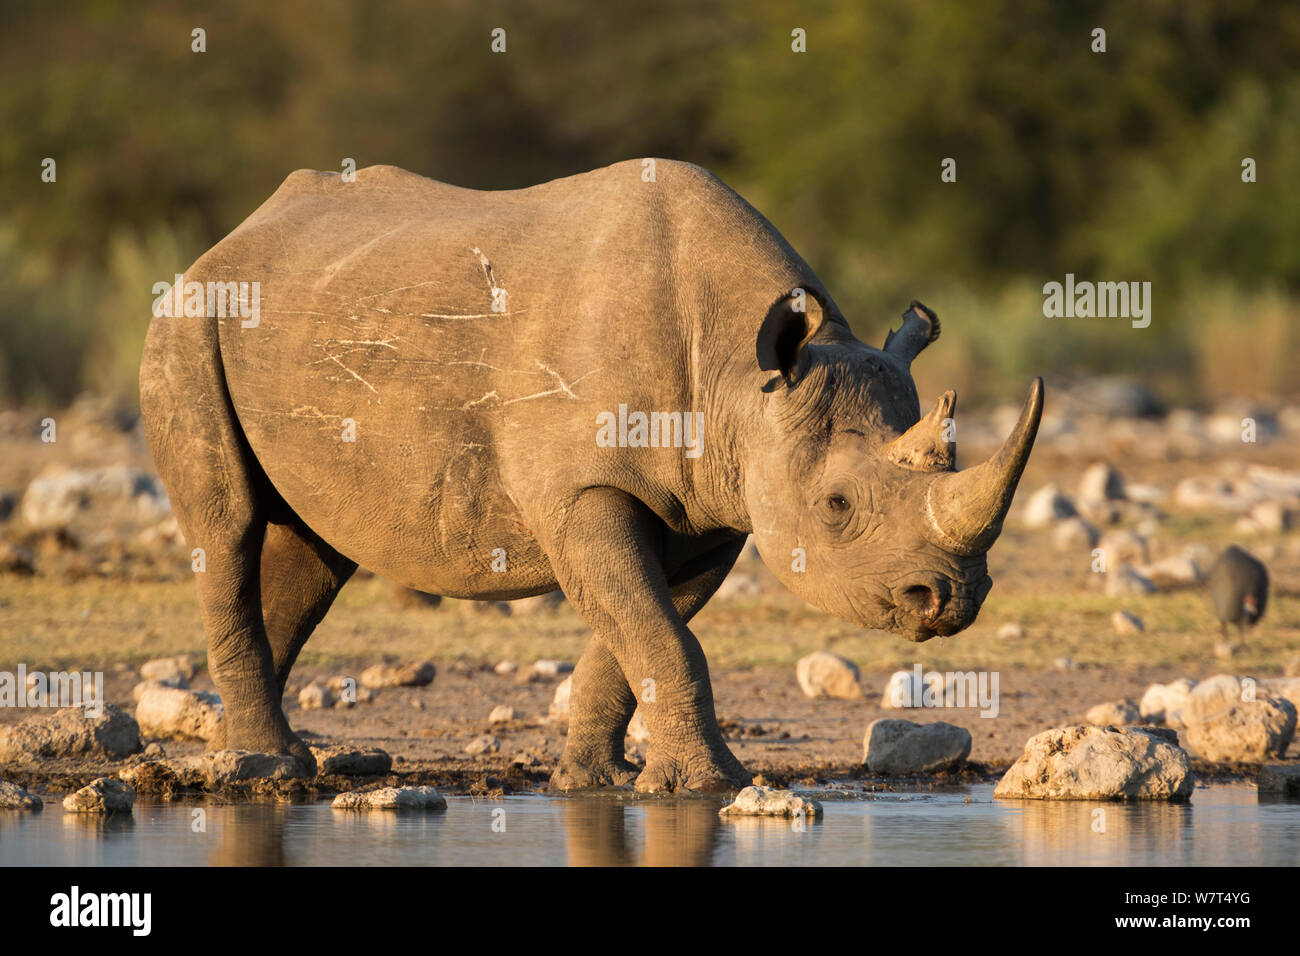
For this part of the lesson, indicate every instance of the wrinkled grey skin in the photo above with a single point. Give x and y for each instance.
(475, 438)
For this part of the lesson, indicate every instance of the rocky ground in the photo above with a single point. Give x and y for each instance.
(93, 576)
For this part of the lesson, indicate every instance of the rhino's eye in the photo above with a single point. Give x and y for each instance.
(837, 504)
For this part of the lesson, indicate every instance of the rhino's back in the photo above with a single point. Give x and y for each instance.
(466, 340)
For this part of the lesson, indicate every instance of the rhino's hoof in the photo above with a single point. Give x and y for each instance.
(293, 747)
(665, 775)
(578, 775)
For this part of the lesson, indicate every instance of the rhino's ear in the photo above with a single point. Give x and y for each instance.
(791, 323)
(920, 327)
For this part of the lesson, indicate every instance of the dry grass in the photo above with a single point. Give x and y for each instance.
(50, 622)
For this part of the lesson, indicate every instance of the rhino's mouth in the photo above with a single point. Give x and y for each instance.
(934, 606)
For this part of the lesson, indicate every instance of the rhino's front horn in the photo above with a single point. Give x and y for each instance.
(964, 510)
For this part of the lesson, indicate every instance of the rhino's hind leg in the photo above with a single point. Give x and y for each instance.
(602, 703)
(220, 497)
(600, 706)
(240, 658)
(301, 575)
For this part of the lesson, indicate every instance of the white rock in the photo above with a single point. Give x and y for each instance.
(1287, 688)
(1178, 571)
(68, 732)
(175, 671)
(348, 692)
(821, 674)
(58, 495)
(1099, 763)
(1046, 506)
(1127, 581)
(766, 802)
(1207, 493)
(501, 714)
(1011, 632)
(392, 798)
(904, 689)
(1101, 482)
(506, 667)
(316, 696)
(1273, 517)
(549, 669)
(485, 744)
(1118, 713)
(1252, 730)
(1125, 623)
(1121, 546)
(1215, 695)
(174, 714)
(14, 797)
(1146, 494)
(1164, 703)
(104, 795)
(1074, 534)
(904, 747)
(399, 675)
(559, 710)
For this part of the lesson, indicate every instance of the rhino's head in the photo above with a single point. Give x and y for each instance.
(856, 504)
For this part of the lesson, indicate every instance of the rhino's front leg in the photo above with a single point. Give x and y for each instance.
(606, 555)
(601, 703)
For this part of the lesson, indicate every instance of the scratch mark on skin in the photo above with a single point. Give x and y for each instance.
(555, 375)
(334, 266)
(562, 389)
(375, 295)
(480, 363)
(335, 360)
(472, 315)
(386, 343)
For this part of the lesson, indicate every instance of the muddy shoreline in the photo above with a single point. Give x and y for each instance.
(781, 736)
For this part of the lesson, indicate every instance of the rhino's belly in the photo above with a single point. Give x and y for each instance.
(384, 460)
(440, 524)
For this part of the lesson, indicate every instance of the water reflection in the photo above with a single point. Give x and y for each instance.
(1225, 825)
(252, 838)
(605, 832)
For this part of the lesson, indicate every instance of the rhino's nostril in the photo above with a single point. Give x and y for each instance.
(920, 600)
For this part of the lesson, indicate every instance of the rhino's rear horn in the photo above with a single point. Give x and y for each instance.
(920, 327)
(928, 445)
(965, 509)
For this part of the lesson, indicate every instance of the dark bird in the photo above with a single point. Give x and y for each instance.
(1239, 589)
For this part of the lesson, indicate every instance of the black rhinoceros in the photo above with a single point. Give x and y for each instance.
(601, 383)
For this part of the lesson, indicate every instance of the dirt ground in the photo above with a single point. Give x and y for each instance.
(104, 593)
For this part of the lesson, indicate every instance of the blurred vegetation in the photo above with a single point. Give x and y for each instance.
(1122, 166)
